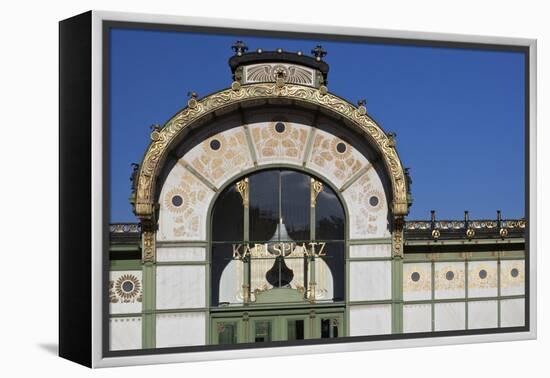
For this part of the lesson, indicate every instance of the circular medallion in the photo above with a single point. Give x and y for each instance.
(177, 201)
(340, 149)
(415, 276)
(127, 286)
(373, 201)
(514, 272)
(280, 127)
(215, 144)
(482, 274)
(449, 275)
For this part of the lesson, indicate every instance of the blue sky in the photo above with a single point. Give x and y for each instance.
(458, 113)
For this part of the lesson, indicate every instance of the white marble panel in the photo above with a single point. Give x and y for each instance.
(182, 329)
(449, 280)
(417, 318)
(181, 254)
(369, 280)
(125, 333)
(512, 312)
(181, 287)
(370, 250)
(184, 201)
(482, 314)
(221, 156)
(125, 291)
(284, 146)
(512, 277)
(368, 207)
(482, 279)
(450, 316)
(417, 281)
(370, 320)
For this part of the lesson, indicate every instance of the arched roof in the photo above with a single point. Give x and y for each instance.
(165, 139)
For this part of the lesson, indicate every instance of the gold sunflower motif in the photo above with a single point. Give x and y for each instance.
(279, 134)
(375, 200)
(340, 149)
(215, 145)
(128, 287)
(176, 200)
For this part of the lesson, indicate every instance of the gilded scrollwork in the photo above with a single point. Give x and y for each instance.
(397, 238)
(158, 149)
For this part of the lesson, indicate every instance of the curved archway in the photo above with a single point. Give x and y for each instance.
(277, 209)
(163, 140)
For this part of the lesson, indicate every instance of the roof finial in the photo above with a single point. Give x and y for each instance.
(318, 52)
(239, 47)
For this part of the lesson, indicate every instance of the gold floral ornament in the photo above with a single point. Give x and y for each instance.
(177, 200)
(158, 150)
(128, 288)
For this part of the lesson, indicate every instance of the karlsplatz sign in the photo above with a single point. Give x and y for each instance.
(266, 250)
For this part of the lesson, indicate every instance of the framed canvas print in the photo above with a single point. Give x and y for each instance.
(232, 188)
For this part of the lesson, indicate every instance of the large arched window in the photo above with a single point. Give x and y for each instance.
(277, 229)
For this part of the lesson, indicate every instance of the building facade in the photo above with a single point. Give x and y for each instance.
(275, 210)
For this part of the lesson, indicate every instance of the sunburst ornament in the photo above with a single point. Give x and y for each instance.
(127, 287)
(176, 200)
(340, 149)
(279, 130)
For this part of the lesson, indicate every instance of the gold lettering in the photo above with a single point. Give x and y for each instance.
(236, 251)
(322, 251)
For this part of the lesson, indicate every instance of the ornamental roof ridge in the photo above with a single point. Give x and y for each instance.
(293, 67)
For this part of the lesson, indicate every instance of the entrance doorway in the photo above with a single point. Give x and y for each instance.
(266, 326)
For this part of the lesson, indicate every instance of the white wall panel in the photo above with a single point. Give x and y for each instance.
(512, 277)
(370, 250)
(181, 286)
(181, 254)
(181, 329)
(482, 279)
(417, 318)
(450, 316)
(417, 281)
(125, 291)
(482, 314)
(512, 312)
(369, 280)
(449, 280)
(125, 333)
(370, 320)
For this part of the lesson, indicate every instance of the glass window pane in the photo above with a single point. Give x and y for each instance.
(227, 333)
(329, 216)
(228, 216)
(295, 204)
(295, 329)
(334, 260)
(329, 328)
(222, 254)
(264, 204)
(262, 331)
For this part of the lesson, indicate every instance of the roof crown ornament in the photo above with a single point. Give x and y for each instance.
(362, 106)
(239, 47)
(192, 102)
(391, 138)
(318, 52)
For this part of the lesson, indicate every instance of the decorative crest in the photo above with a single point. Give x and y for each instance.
(239, 47)
(318, 52)
(242, 188)
(316, 188)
